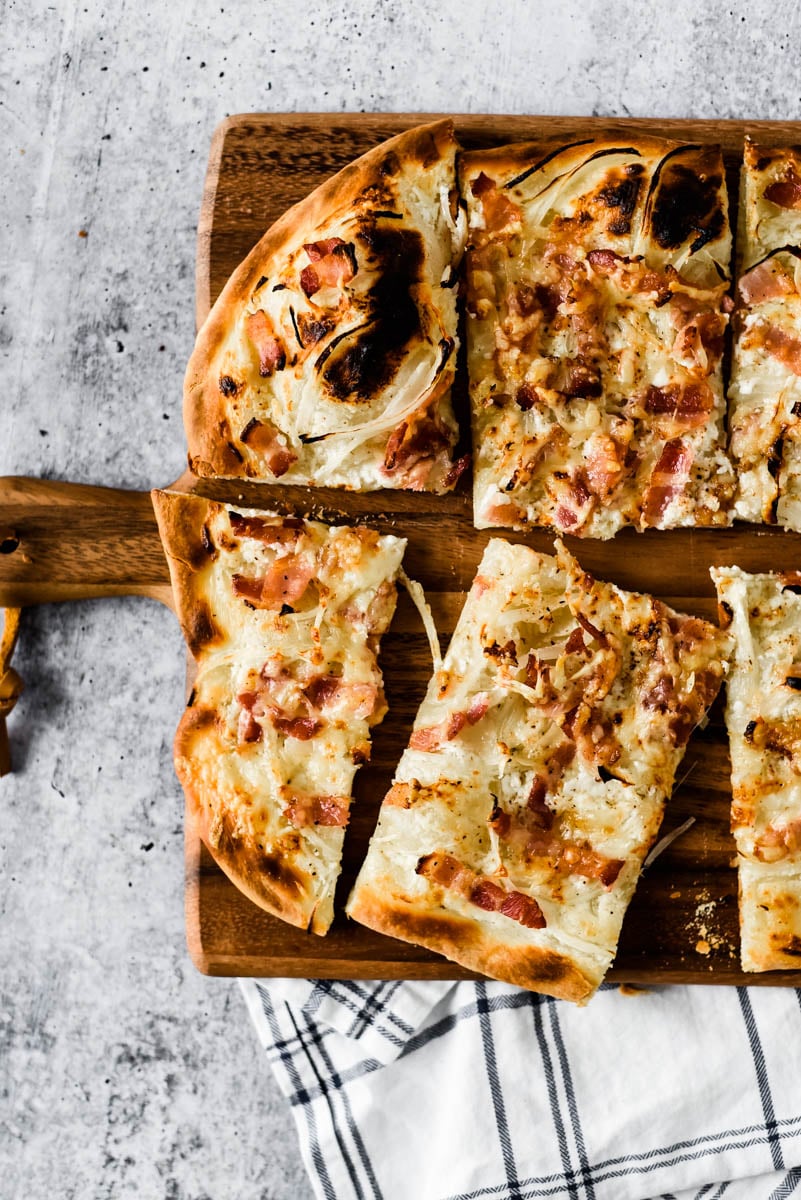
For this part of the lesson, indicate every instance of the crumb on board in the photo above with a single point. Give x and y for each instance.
(702, 926)
(675, 895)
(631, 989)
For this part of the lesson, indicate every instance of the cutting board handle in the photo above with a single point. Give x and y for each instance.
(73, 541)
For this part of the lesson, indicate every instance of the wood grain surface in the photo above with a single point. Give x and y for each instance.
(57, 542)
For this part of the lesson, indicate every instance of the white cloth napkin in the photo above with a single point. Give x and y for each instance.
(480, 1091)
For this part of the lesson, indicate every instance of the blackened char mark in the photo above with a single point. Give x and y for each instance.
(623, 195)
(685, 200)
(366, 363)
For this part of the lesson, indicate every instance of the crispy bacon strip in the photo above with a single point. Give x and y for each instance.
(686, 405)
(266, 439)
(668, 479)
(284, 582)
(531, 832)
(765, 281)
(272, 356)
(329, 691)
(781, 345)
(333, 265)
(448, 872)
(778, 841)
(431, 737)
(282, 533)
(304, 809)
(498, 210)
(785, 192)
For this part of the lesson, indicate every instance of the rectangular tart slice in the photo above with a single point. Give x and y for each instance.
(765, 389)
(597, 281)
(536, 775)
(763, 715)
(283, 617)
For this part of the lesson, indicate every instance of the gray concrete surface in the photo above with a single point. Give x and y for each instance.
(123, 1072)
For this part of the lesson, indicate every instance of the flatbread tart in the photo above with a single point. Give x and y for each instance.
(537, 772)
(329, 356)
(763, 715)
(597, 276)
(765, 389)
(283, 617)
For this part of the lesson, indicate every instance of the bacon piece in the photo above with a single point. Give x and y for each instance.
(596, 634)
(687, 406)
(604, 262)
(783, 346)
(765, 281)
(412, 450)
(270, 443)
(455, 472)
(448, 872)
(328, 691)
(488, 895)
(605, 464)
(523, 909)
(668, 479)
(701, 341)
(431, 737)
(785, 192)
(630, 275)
(248, 728)
(542, 815)
(568, 857)
(334, 264)
(499, 211)
(778, 841)
(302, 729)
(284, 582)
(575, 643)
(281, 533)
(272, 356)
(304, 809)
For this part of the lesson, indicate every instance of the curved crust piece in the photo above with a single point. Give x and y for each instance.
(184, 530)
(597, 276)
(467, 942)
(266, 877)
(284, 617)
(329, 356)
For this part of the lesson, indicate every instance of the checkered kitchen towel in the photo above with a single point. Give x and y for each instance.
(422, 1091)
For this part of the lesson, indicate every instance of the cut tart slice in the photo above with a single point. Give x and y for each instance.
(329, 356)
(283, 617)
(536, 775)
(597, 280)
(765, 388)
(763, 715)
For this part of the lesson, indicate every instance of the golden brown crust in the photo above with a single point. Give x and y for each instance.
(183, 526)
(211, 451)
(265, 878)
(464, 941)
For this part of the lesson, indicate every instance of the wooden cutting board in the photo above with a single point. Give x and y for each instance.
(59, 542)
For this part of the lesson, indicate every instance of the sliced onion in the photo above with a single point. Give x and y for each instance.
(418, 598)
(664, 842)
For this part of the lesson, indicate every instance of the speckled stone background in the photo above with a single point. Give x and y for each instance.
(123, 1072)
